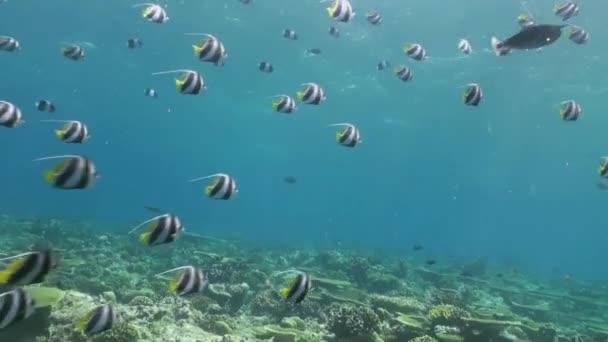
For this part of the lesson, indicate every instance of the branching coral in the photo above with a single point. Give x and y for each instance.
(349, 321)
(447, 314)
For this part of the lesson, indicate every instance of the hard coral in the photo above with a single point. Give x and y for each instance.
(348, 322)
(424, 338)
(121, 332)
(447, 314)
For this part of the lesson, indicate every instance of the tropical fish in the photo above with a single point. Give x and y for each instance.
(570, 110)
(348, 136)
(133, 43)
(10, 115)
(341, 10)
(465, 46)
(403, 73)
(15, 306)
(150, 92)
(531, 37)
(160, 230)
(45, 106)
(266, 67)
(290, 34)
(9, 44)
(210, 49)
(221, 187)
(30, 267)
(602, 170)
(73, 52)
(383, 64)
(72, 172)
(189, 82)
(189, 280)
(297, 289)
(312, 94)
(578, 35)
(525, 20)
(333, 31)
(566, 10)
(284, 104)
(154, 13)
(73, 132)
(98, 320)
(374, 18)
(415, 51)
(472, 95)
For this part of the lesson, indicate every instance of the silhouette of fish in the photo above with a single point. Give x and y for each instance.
(530, 37)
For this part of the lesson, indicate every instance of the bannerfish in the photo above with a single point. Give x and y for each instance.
(525, 20)
(72, 172)
(9, 44)
(341, 10)
(98, 320)
(133, 43)
(221, 187)
(472, 95)
(403, 73)
(465, 46)
(15, 306)
(187, 281)
(570, 110)
(312, 94)
(45, 106)
(566, 10)
(150, 92)
(290, 34)
(30, 267)
(531, 37)
(602, 170)
(160, 230)
(265, 67)
(348, 136)
(374, 18)
(73, 52)
(189, 82)
(210, 49)
(297, 288)
(10, 115)
(415, 51)
(383, 64)
(154, 13)
(312, 51)
(73, 132)
(578, 35)
(284, 104)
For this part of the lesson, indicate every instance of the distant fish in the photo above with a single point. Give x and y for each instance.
(188, 281)
(284, 104)
(9, 44)
(189, 82)
(578, 35)
(153, 209)
(465, 46)
(98, 320)
(403, 73)
(333, 31)
(566, 10)
(30, 267)
(45, 106)
(210, 49)
(73, 132)
(150, 92)
(72, 172)
(297, 289)
(160, 230)
(374, 18)
(383, 64)
(133, 43)
(531, 37)
(15, 306)
(417, 247)
(570, 110)
(312, 51)
(290, 34)
(290, 180)
(415, 51)
(472, 95)
(73, 52)
(431, 262)
(246, 2)
(10, 115)
(525, 20)
(341, 10)
(348, 136)
(154, 13)
(265, 67)
(221, 187)
(312, 94)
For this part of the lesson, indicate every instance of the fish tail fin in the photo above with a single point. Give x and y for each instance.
(498, 46)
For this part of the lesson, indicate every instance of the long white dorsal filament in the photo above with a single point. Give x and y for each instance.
(145, 4)
(57, 157)
(206, 177)
(63, 121)
(341, 124)
(197, 34)
(171, 71)
(173, 270)
(205, 237)
(148, 221)
(18, 256)
(280, 95)
(292, 270)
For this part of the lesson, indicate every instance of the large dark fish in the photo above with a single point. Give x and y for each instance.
(530, 37)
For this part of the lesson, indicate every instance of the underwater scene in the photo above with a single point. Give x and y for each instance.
(303, 171)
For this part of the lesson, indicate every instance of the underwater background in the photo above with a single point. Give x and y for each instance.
(508, 182)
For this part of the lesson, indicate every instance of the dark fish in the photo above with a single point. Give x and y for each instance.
(531, 37)
(297, 289)
(15, 306)
(45, 106)
(333, 31)
(246, 2)
(30, 267)
(189, 280)
(313, 51)
(98, 320)
(290, 180)
(431, 262)
(265, 67)
(417, 247)
(133, 43)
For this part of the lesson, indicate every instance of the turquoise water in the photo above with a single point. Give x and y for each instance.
(508, 181)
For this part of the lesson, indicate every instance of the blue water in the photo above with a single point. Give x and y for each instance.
(508, 181)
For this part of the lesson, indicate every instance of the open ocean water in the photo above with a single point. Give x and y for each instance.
(508, 180)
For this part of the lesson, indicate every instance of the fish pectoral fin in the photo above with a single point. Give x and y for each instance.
(145, 237)
(284, 292)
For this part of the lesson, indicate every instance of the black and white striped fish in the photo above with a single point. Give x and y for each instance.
(374, 18)
(73, 52)
(15, 306)
(602, 170)
(333, 31)
(566, 10)
(160, 230)
(403, 73)
(472, 94)
(570, 110)
(10, 115)
(210, 49)
(297, 289)
(266, 67)
(188, 280)
(290, 34)
(348, 136)
(312, 94)
(221, 187)
(133, 43)
(9, 44)
(578, 35)
(383, 64)
(29, 268)
(415, 51)
(98, 320)
(525, 20)
(284, 104)
(154, 13)
(150, 92)
(341, 10)
(189, 82)
(72, 172)
(465, 46)
(73, 132)
(45, 106)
